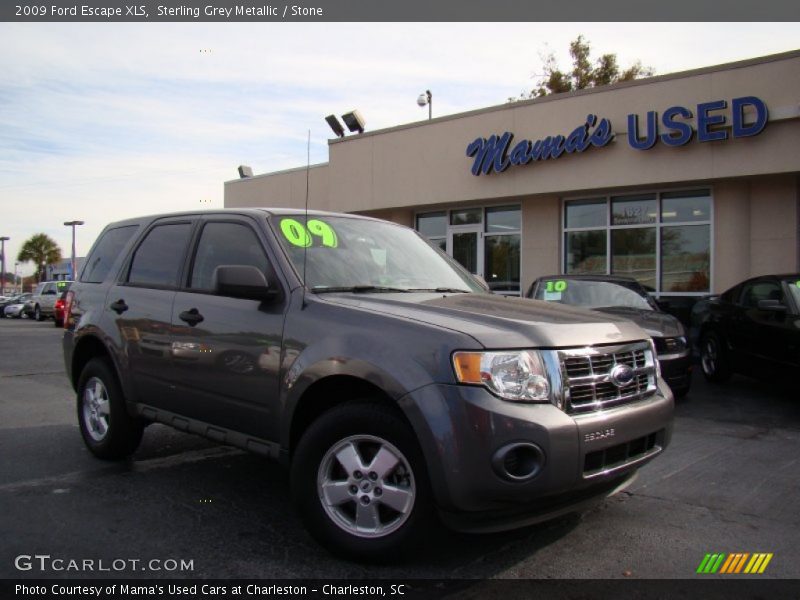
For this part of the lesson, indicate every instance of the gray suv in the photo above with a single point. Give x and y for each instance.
(395, 388)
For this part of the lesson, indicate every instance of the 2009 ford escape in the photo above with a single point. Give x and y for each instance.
(395, 388)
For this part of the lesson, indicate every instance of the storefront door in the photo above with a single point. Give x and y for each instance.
(464, 244)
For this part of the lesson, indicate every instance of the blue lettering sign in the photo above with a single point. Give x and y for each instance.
(491, 155)
(651, 137)
(739, 129)
(684, 130)
(705, 121)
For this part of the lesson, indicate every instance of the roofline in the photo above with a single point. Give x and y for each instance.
(740, 64)
(292, 170)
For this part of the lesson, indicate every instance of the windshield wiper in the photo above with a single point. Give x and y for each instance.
(440, 290)
(356, 288)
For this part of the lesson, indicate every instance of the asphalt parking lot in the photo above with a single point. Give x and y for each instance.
(728, 484)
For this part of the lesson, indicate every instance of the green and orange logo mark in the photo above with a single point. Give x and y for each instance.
(738, 562)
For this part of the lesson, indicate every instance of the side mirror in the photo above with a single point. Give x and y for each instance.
(775, 306)
(242, 281)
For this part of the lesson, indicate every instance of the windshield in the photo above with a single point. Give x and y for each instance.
(593, 294)
(344, 253)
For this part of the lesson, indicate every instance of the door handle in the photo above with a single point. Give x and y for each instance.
(192, 317)
(119, 306)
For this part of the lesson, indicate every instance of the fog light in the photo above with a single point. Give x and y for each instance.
(519, 461)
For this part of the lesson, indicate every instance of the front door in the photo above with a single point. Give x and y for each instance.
(465, 244)
(226, 351)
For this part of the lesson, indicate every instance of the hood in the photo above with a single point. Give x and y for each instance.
(655, 324)
(500, 321)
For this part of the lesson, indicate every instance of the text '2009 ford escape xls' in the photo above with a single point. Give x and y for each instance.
(395, 388)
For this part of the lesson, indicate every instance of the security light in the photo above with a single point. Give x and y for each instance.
(354, 121)
(245, 171)
(335, 125)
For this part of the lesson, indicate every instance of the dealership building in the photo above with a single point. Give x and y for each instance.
(689, 182)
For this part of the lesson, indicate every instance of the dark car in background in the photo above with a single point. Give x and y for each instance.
(625, 297)
(752, 329)
(13, 300)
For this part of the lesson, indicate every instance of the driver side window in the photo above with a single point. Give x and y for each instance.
(225, 244)
(760, 290)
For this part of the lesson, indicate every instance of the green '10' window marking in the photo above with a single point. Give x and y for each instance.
(556, 286)
(797, 283)
(298, 235)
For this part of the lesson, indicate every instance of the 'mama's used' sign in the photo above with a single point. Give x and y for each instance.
(496, 153)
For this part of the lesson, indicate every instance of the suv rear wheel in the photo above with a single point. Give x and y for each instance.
(714, 358)
(360, 483)
(37, 313)
(107, 429)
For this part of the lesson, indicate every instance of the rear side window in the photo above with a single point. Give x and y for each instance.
(158, 259)
(225, 244)
(105, 252)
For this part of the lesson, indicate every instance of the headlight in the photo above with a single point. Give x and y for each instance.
(671, 345)
(519, 376)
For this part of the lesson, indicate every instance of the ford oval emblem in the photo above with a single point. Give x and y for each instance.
(621, 376)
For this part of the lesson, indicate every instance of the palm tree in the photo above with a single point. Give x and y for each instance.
(41, 250)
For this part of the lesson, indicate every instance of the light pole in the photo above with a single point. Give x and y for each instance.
(73, 224)
(426, 98)
(3, 241)
(16, 279)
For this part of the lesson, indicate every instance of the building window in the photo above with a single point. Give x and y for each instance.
(663, 240)
(485, 241)
(434, 227)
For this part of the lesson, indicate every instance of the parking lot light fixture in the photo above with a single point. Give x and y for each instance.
(3, 265)
(73, 224)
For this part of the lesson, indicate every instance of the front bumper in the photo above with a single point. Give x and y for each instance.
(587, 456)
(676, 370)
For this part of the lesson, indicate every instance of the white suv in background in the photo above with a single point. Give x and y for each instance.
(44, 298)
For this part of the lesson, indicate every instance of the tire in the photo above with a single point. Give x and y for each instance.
(714, 359)
(58, 323)
(107, 429)
(37, 313)
(333, 460)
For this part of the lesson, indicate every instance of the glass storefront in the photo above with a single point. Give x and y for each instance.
(662, 239)
(486, 241)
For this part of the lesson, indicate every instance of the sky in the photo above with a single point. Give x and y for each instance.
(105, 121)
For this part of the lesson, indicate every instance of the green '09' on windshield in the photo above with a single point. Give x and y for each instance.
(299, 235)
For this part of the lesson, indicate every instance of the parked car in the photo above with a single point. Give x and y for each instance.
(386, 378)
(18, 299)
(58, 309)
(752, 329)
(43, 301)
(626, 297)
(16, 310)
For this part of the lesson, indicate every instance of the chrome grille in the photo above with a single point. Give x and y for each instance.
(587, 376)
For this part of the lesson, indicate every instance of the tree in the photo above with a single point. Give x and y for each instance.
(583, 75)
(41, 250)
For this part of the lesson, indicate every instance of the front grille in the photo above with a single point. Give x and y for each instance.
(621, 455)
(588, 385)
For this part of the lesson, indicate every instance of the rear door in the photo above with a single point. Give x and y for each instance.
(141, 307)
(226, 351)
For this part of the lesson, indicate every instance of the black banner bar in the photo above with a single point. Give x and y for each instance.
(739, 587)
(392, 10)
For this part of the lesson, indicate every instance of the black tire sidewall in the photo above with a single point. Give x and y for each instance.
(722, 368)
(124, 431)
(332, 427)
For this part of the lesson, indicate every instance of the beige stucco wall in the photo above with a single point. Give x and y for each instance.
(540, 244)
(286, 189)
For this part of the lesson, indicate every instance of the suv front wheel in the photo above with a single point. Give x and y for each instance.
(360, 483)
(107, 429)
